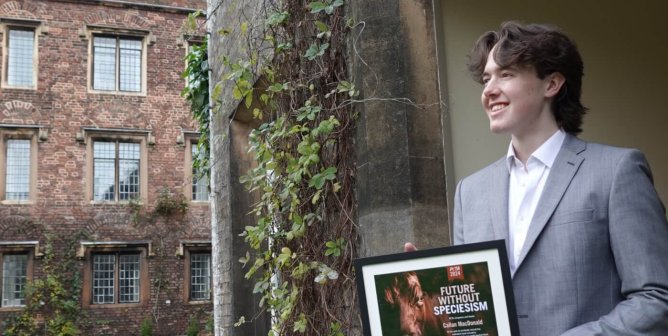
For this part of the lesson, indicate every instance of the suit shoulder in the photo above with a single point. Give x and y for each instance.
(611, 153)
(484, 173)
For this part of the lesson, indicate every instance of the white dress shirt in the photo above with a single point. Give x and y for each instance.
(526, 187)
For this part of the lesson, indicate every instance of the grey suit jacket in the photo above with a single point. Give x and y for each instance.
(595, 260)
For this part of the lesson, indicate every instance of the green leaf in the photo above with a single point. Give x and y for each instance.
(317, 6)
(244, 260)
(277, 18)
(334, 247)
(321, 26)
(330, 173)
(217, 89)
(317, 181)
(276, 87)
(300, 324)
(316, 50)
(316, 197)
(323, 29)
(249, 98)
(260, 286)
(283, 46)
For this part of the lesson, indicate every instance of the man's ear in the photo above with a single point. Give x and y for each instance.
(554, 83)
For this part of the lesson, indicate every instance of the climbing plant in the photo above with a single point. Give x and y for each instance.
(55, 296)
(294, 80)
(161, 223)
(196, 93)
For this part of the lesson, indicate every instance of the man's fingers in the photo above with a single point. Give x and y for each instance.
(409, 247)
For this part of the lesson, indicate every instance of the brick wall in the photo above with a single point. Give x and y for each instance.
(63, 105)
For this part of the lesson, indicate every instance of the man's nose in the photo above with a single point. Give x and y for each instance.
(490, 88)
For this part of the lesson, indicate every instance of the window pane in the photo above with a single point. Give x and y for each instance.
(20, 57)
(14, 276)
(104, 63)
(128, 170)
(128, 278)
(201, 184)
(104, 157)
(200, 276)
(18, 169)
(103, 278)
(130, 65)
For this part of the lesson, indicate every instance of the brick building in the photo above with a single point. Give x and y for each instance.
(96, 155)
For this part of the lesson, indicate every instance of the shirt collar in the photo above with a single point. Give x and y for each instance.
(546, 153)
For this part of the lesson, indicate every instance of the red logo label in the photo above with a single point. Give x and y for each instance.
(455, 272)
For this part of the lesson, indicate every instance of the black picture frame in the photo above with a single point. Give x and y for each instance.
(456, 290)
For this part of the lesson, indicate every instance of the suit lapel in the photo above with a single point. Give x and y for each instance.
(561, 174)
(498, 200)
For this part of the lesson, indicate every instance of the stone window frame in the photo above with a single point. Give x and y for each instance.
(29, 248)
(86, 252)
(147, 39)
(34, 133)
(144, 138)
(186, 248)
(38, 28)
(187, 139)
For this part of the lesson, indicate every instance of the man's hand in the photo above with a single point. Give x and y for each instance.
(409, 247)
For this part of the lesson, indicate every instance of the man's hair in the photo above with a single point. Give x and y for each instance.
(547, 50)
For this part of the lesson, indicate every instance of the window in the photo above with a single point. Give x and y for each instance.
(14, 279)
(200, 182)
(117, 63)
(200, 276)
(115, 273)
(20, 57)
(19, 52)
(116, 165)
(15, 272)
(17, 186)
(116, 278)
(17, 164)
(116, 170)
(197, 263)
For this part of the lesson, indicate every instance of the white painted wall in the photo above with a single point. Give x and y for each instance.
(625, 50)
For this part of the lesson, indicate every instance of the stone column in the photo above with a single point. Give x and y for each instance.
(401, 185)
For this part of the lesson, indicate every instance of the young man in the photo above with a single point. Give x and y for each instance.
(585, 230)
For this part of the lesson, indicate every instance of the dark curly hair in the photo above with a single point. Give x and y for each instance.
(544, 48)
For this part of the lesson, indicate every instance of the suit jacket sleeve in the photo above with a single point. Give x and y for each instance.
(638, 235)
(458, 228)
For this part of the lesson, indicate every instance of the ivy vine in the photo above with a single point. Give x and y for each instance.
(196, 92)
(53, 305)
(304, 240)
(295, 81)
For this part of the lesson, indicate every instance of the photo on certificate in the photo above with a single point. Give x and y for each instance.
(463, 290)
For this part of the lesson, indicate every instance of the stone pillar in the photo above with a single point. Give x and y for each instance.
(230, 203)
(401, 185)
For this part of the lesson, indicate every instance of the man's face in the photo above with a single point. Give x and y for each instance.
(515, 99)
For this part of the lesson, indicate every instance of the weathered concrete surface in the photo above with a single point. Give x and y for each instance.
(401, 179)
(233, 294)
